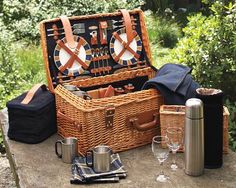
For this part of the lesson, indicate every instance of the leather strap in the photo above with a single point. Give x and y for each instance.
(29, 96)
(68, 31)
(77, 125)
(145, 126)
(128, 24)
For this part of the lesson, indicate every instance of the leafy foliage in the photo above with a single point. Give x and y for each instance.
(158, 6)
(10, 78)
(23, 20)
(232, 124)
(209, 47)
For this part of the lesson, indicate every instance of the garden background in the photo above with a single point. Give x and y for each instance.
(200, 34)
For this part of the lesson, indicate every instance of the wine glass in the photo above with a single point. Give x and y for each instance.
(161, 152)
(175, 135)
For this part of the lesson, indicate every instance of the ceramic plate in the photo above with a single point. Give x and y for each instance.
(127, 58)
(61, 57)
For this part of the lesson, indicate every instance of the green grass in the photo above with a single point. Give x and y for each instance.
(31, 64)
(163, 35)
(162, 31)
(161, 56)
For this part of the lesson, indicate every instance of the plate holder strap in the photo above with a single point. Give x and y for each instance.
(130, 35)
(126, 47)
(68, 31)
(73, 58)
(128, 25)
(62, 45)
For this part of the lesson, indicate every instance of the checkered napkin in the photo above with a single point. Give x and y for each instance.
(81, 173)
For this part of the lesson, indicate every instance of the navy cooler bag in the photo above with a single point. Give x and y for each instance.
(32, 115)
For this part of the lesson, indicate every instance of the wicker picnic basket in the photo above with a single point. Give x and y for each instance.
(121, 122)
(174, 115)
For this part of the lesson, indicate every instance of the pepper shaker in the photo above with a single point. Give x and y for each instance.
(129, 88)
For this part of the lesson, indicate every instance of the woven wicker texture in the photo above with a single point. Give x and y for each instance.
(90, 115)
(174, 116)
(115, 77)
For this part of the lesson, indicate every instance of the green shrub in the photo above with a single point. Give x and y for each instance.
(209, 47)
(22, 17)
(158, 6)
(10, 79)
(232, 124)
(162, 31)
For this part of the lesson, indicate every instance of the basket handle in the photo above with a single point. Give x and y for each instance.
(74, 122)
(145, 126)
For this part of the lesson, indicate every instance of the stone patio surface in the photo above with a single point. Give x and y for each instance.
(37, 166)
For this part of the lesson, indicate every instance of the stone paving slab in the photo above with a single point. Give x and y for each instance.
(37, 166)
(7, 179)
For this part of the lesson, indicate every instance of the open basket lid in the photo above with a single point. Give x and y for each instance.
(94, 45)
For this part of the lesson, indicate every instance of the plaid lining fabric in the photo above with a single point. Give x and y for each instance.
(81, 173)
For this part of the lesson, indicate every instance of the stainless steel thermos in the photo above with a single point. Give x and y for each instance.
(194, 137)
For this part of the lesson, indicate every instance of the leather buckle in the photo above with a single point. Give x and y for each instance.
(109, 116)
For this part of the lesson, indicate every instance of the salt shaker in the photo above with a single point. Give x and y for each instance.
(194, 137)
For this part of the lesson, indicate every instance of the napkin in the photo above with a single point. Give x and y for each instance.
(82, 174)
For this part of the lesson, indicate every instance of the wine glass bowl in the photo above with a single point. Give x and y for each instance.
(175, 135)
(161, 151)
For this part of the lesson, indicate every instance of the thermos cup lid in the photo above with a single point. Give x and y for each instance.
(194, 108)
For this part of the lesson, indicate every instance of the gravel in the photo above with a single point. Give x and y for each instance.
(7, 179)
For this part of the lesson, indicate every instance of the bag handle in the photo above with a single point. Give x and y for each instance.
(29, 96)
(65, 117)
(68, 31)
(146, 126)
(128, 25)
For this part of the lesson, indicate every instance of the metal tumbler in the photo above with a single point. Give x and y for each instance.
(101, 158)
(69, 149)
(194, 137)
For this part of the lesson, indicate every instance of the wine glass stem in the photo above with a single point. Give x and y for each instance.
(162, 172)
(174, 156)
